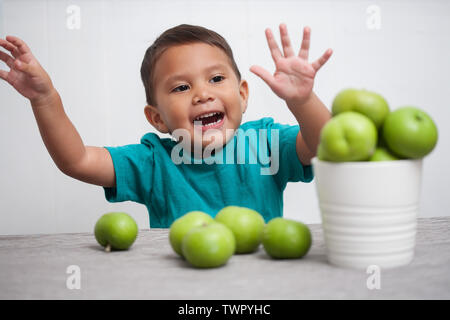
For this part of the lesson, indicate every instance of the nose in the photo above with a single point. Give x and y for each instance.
(202, 94)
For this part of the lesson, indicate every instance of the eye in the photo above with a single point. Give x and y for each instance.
(217, 78)
(183, 87)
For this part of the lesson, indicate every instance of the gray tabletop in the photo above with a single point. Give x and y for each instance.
(51, 266)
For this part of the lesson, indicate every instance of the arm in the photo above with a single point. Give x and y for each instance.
(89, 164)
(311, 116)
(293, 81)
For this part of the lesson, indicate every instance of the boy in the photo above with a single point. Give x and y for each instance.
(194, 92)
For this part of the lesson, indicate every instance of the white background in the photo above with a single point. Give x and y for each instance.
(404, 56)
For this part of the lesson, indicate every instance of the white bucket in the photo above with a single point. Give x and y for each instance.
(369, 211)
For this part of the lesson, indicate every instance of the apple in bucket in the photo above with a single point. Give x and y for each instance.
(383, 154)
(368, 103)
(348, 136)
(410, 132)
(405, 133)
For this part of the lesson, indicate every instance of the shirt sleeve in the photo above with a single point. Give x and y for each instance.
(282, 140)
(134, 167)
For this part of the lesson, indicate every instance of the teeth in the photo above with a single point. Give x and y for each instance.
(207, 115)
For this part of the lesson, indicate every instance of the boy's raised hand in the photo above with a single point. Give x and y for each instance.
(293, 79)
(26, 74)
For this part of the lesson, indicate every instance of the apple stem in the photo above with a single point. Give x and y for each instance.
(108, 248)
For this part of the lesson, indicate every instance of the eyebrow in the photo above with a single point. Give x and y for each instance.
(182, 76)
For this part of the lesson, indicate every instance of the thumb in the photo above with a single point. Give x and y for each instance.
(263, 74)
(25, 67)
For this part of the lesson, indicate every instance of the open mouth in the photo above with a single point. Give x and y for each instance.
(210, 120)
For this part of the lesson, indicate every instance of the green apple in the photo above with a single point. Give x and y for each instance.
(181, 226)
(246, 224)
(383, 154)
(410, 132)
(349, 136)
(368, 103)
(208, 246)
(286, 239)
(116, 230)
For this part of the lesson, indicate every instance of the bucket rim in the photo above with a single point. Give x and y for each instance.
(365, 164)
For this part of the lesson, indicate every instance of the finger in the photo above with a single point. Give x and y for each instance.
(304, 49)
(263, 74)
(10, 47)
(20, 44)
(6, 58)
(273, 46)
(3, 75)
(321, 61)
(285, 41)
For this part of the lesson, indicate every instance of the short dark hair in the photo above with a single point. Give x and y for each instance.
(182, 34)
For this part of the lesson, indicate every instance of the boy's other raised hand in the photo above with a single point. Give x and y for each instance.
(26, 74)
(293, 79)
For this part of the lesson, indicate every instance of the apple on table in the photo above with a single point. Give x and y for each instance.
(202, 241)
(286, 239)
(181, 226)
(246, 224)
(208, 246)
(116, 231)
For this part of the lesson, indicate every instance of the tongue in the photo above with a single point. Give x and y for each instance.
(211, 119)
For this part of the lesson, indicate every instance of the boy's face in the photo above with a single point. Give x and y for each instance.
(195, 80)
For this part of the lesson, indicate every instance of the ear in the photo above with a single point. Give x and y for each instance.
(153, 116)
(243, 91)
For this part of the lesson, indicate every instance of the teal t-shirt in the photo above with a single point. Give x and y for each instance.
(251, 170)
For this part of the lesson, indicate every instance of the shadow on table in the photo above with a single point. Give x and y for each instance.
(99, 248)
(312, 257)
(177, 260)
